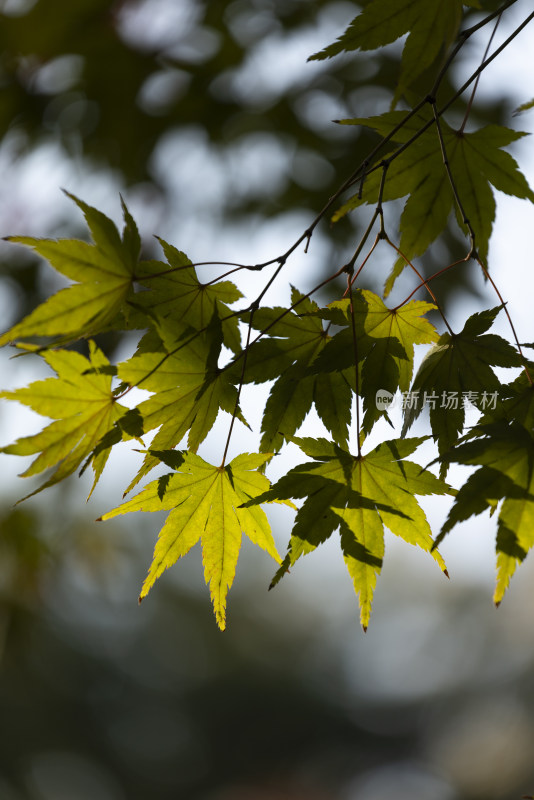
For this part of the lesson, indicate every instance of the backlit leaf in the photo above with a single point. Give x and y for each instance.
(364, 494)
(83, 406)
(477, 162)
(103, 272)
(188, 388)
(174, 291)
(457, 368)
(504, 453)
(431, 27)
(205, 503)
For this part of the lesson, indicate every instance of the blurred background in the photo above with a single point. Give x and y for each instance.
(218, 133)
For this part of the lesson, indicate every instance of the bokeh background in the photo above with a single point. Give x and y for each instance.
(218, 133)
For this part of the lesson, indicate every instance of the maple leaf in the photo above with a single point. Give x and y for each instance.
(459, 364)
(104, 274)
(430, 27)
(83, 406)
(205, 502)
(515, 402)
(362, 495)
(477, 162)
(385, 346)
(175, 291)
(295, 338)
(504, 453)
(188, 387)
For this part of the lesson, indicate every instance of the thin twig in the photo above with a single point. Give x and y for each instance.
(423, 282)
(463, 37)
(475, 87)
(364, 262)
(356, 363)
(436, 274)
(497, 292)
(241, 382)
(182, 267)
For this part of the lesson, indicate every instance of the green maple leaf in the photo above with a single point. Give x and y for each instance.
(104, 274)
(431, 27)
(406, 323)
(477, 162)
(295, 338)
(385, 346)
(175, 291)
(515, 402)
(363, 495)
(205, 502)
(504, 453)
(188, 388)
(83, 406)
(459, 364)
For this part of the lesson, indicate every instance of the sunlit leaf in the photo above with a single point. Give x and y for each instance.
(103, 272)
(456, 369)
(364, 494)
(83, 406)
(188, 388)
(205, 503)
(174, 291)
(504, 455)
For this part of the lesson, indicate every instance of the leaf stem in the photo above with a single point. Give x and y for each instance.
(475, 87)
(434, 275)
(423, 283)
(182, 267)
(241, 382)
(356, 364)
(364, 262)
(504, 305)
(463, 37)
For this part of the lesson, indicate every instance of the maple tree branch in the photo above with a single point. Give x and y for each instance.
(363, 170)
(431, 99)
(345, 268)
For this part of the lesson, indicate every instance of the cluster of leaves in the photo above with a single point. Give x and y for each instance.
(342, 359)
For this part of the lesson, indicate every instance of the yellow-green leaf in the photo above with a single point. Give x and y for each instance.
(103, 272)
(205, 503)
(81, 402)
(504, 454)
(362, 494)
(188, 389)
(175, 291)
